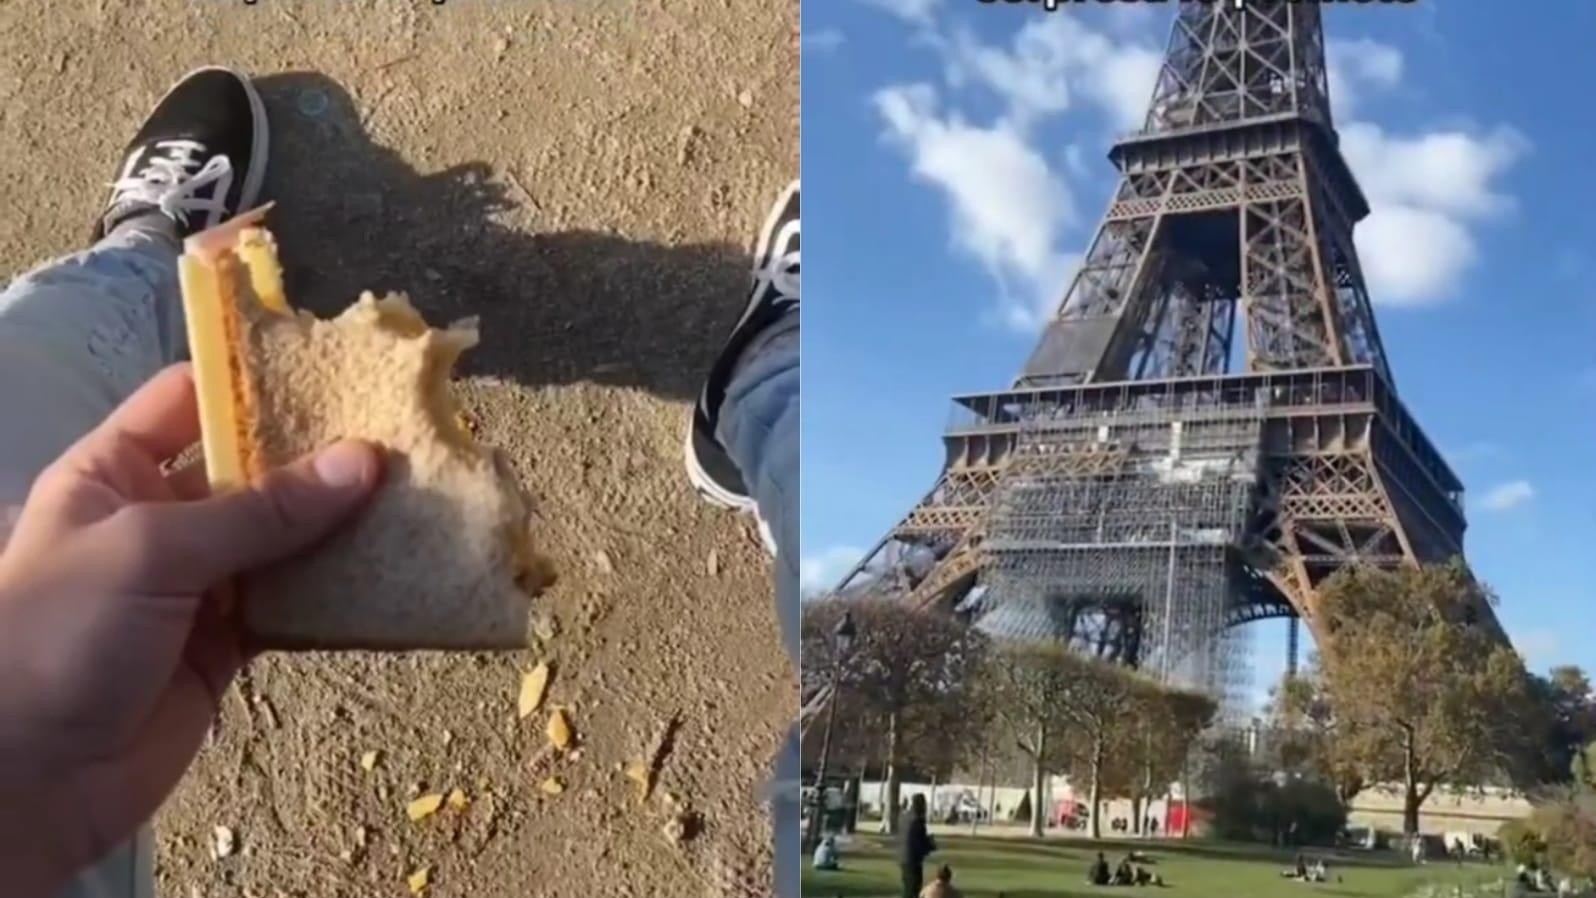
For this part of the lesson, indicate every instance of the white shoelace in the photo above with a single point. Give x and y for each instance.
(782, 272)
(169, 183)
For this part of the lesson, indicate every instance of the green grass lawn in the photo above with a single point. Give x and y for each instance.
(1019, 868)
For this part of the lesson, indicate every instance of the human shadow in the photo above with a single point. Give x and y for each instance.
(555, 308)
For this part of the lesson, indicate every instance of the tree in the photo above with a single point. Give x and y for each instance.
(1022, 685)
(1568, 724)
(1247, 805)
(1582, 768)
(911, 670)
(1305, 727)
(1094, 706)
(1574, 701)
(1561, 833)
(1105, 725)
(941, 739)
(1164, 723)
(855, 746)
(1522, 843)
(1422, 692)
(1567, 828)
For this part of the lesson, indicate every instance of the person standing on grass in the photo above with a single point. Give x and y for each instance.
(914, 845)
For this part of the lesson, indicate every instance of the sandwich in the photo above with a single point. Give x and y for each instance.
(440, 557)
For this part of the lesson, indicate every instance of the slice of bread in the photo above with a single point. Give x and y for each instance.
(440, 558)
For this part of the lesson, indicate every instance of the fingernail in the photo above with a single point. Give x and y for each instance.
(343, 464)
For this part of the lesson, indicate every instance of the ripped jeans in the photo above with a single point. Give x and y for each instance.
(77, 336)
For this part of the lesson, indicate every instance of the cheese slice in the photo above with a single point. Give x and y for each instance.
(209, 272)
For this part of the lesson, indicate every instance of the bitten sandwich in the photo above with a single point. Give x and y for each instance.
(440, 557)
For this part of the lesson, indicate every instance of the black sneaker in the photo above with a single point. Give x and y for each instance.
(774, 294)
(199, 159)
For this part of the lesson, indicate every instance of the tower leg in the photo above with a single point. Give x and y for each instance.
(1293, 634)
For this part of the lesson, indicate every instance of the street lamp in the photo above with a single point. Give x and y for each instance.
(843, 635)
(841, 640)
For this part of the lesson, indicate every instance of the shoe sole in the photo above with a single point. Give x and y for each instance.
(260, 140)
(712, 493)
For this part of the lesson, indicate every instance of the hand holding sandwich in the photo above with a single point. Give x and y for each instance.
(112, 658)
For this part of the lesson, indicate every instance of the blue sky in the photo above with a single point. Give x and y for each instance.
(954, 165)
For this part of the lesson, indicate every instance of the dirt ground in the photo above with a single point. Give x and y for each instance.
(586, 177)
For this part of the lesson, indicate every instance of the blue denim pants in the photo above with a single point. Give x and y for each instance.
(77, 336)
(759, 428)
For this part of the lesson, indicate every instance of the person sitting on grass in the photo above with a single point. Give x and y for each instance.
(942, 885)
(1299, 869)
(1320, 871)
(1123, 874)
(1143, 877)
(1098, 874)
(826, 854)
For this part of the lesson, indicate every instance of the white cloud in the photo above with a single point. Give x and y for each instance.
(1055, 60)
(1508, 495)
(1007, 204)
(1413, 257)
(1454, 172)
(818, 573)
(1426, 191)
(1356, 65)
(1429, 191)
(823, 40)
(1009, 207)
(917, 12)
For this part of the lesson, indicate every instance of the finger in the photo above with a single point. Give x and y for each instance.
(190, 483)
(215, 647)
(193, 545)
(160, 419)
(131, 786)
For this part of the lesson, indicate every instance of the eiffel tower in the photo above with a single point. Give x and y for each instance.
(1209, 427)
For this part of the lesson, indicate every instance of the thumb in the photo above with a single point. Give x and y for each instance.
(287, 511)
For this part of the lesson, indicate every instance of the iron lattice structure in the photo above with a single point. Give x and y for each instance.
(1208, 428)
